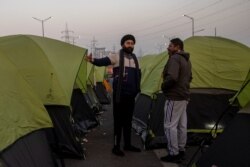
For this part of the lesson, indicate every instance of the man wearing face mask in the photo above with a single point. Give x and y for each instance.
(126, 85)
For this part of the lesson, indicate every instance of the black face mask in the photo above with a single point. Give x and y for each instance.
(128, 50)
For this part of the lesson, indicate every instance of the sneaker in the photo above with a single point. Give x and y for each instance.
(171, 158)
(117, 152)
(132, 148)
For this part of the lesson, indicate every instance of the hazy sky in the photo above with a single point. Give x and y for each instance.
(109, 20)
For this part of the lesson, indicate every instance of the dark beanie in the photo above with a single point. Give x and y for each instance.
(127, 37)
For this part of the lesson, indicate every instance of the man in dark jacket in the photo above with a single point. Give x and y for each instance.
(177, 76)
(126, 85)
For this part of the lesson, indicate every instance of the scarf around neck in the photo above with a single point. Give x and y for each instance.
(121, 71)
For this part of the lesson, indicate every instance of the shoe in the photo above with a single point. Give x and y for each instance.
(171, 158)
(117, 152)
(131, 148)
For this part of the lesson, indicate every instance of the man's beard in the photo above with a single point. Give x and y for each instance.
(128, 50)
(171, 52)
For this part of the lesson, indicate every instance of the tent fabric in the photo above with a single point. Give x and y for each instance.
(243, 95)
(83, 115)
(218, 65)
(102, 94)
(31, 150)
(205, 109)
(217, 62)
(93, 101)
(90, 74)
(43, 60)
(151, 68)
(156, 136)
(21, 110)
(148, 120)
(99, 73)
(232, 147)
(50, 68)
(246, 109)
(81, 79)
(63, 138)
(143, 105)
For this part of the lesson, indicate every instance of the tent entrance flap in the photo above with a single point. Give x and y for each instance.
(29, 151)
(62, 138)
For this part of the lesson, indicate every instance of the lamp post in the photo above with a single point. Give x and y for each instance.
(192, 23)
(42, 21)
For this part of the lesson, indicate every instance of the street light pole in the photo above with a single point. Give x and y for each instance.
(42, 21)
(192, 23)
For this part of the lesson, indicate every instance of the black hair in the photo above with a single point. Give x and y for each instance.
(127, 37)
(177, 42)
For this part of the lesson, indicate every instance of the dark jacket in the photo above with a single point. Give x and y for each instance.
(131, 77)
(177, 76)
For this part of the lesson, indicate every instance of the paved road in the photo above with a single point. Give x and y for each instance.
(99, 145)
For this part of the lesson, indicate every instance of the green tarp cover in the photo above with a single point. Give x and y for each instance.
(217, 62)
(81, 80)
(90, 74)
(100, 73)
(48, 65)
(243, 95)
(21, 110)
(151, 68)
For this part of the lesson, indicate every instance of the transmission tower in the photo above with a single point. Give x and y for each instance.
(66, 33)
(93, 46)
(114, 49)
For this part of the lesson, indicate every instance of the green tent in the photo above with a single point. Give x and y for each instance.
(243, 95)
(151, 68)
(48, 65)
(218, 62)
(90, 74)
(21, 110)
(235, 136)
(100, 73)
(95, 74)
(51, 68)
(219, 68)
(82, 77)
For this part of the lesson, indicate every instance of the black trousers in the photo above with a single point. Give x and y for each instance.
(123, 113)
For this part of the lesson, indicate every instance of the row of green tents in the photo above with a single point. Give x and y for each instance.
(38, 76)
(47, 74)
(220, 68)
(216, 63)
(220, 89)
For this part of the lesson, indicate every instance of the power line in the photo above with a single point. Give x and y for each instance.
(176, 19)
(165, 22)
(201, 9)
(223, 19)
(143, 35)
(155, 18)
(182, 24)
